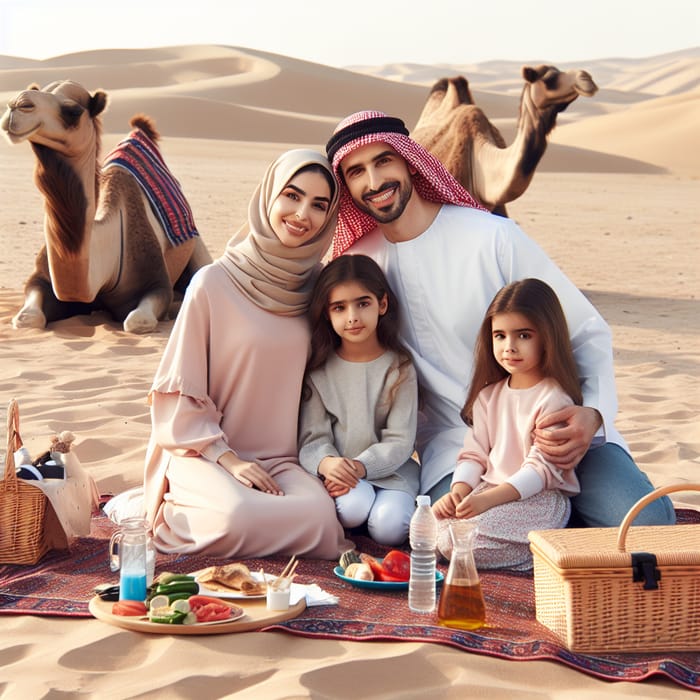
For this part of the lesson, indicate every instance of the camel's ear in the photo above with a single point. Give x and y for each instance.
(33, 86)
(530, 74)
(98, 102)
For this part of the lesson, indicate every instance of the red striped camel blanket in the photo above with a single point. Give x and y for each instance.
(138, 154)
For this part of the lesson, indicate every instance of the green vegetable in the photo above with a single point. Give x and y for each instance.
(176, 589)
(177, 613)
(168, 617)
(172, 597)
(179, 587)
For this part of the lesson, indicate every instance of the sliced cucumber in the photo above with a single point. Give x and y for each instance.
(181, 605)
(168, 617)
(160, 602)
(189, 619)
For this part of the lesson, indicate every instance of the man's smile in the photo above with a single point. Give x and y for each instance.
(383, 195)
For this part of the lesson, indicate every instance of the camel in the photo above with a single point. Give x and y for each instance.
(461, 136)
(109, 243)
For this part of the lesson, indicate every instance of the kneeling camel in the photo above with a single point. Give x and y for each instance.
(119, 235)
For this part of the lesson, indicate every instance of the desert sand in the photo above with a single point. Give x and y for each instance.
(614, 202)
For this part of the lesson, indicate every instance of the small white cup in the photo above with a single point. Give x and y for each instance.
(277, 599)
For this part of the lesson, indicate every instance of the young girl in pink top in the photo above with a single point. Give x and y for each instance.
(523, 368)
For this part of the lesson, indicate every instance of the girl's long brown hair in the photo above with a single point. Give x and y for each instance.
(324, 340)
(537, 301)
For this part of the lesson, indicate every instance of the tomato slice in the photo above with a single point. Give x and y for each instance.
(380, 572)
(131, 608)
(388, 578)
(211, 612)
(196, 601)
(397, 564)
(208, 609)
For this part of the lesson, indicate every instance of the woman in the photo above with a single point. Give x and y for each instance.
(222, 475)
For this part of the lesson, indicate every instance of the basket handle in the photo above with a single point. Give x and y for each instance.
(14, 442)
(645, 500)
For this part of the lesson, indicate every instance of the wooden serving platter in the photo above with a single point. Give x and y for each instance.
(255, 615)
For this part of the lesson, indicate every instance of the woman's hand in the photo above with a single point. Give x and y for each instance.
(250, 474)
(565, 435)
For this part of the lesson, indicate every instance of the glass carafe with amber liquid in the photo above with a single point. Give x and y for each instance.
(461, 600)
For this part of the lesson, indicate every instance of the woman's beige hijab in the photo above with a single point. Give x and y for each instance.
(277, 278)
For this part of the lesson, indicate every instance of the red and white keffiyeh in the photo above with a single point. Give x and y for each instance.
(431, 180)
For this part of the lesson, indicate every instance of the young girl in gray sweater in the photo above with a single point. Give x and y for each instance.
(360, 401)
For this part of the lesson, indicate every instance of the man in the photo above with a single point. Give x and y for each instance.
(446, 258)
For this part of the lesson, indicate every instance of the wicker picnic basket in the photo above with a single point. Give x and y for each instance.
(23, 507)
(621, 589)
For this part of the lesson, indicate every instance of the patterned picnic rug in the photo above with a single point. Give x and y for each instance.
(62, 584)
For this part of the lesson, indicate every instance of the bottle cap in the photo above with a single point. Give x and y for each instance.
(423, 500)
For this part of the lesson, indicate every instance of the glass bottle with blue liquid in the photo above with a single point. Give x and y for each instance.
(131, 553)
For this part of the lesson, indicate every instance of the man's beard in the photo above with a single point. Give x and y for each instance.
(393, 211)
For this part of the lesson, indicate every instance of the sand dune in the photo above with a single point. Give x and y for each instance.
(655, 75)
(662, 132)
(229, 93)
(614, 202)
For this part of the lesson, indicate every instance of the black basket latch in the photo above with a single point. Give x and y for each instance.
(644, 569)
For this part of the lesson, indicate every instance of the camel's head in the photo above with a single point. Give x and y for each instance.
(61, 116)
(550, 87)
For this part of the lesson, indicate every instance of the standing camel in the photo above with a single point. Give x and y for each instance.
(118, 235)
(460, 135)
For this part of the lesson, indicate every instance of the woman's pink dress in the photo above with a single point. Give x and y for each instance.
(230, 378)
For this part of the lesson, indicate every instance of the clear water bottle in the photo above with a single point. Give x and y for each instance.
(423, 539)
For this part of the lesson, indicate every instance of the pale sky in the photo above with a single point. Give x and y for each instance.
(359, 32)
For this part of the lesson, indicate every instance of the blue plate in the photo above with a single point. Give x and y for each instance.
(379, 585)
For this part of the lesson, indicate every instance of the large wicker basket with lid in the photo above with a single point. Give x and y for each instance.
(621, 589)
